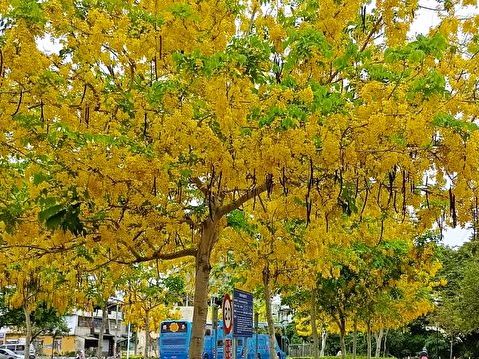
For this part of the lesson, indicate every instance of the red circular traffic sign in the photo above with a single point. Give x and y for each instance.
(227, 314)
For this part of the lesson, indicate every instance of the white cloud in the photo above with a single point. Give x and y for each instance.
(455, 237)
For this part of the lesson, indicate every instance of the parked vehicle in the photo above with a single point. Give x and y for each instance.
(19, 349)
(8, 354)
(423, 354)
(175, 336)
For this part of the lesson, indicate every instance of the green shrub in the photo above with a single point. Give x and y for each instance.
(67, 354)
(138, 356)
(339, 357)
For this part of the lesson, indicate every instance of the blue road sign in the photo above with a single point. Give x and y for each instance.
(242, 313)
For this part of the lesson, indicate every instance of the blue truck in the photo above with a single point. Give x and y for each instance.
(175, 337)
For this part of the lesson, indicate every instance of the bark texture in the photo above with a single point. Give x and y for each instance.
(146, 352)
(369, 344)
(28, 336)
(379, 340)
(355, 338)
(324, 337)
(209, 236)
(269, 314)
(104, 319)
(342, 329)
(314, 327)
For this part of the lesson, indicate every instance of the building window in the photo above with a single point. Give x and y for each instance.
(84, 322)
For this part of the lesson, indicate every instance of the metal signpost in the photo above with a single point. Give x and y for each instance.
(256, 327)
(215, 330)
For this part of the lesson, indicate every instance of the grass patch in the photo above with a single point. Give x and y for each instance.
(339, 357)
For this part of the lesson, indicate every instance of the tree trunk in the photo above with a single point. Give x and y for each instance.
(269, 314)
(209, 236)
(342, 334)
(450, 349)
(136, 341)
(104, 318)
(324, 336)
(314, 328)
(379, 340)
(369, 345)
(53, 342)
(147, 335)
(385, 342)
(355, 338)
(28, 335)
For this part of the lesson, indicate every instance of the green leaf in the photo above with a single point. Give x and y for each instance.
(461, 127)
(318, 143)
(303, 44)
(181, 10)
(431, 84)
(238, 221)
(56, 219)
(60, 216)
(28, 10)
(50, 212)
(40, 177)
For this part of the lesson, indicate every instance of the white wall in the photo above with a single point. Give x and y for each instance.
(105, 346)
(72, 322)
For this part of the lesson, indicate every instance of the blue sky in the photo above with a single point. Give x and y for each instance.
(456, 236)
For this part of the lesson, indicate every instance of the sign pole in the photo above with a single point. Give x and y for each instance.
(128, 343)
(227, 326)
(215, 328)
(256, 325)
(235, 340)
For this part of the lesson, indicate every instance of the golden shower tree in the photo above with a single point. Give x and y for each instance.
(141, 125)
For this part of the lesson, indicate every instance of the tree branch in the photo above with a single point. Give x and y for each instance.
(188, 252)
(363, 47)
(200, 185)
(19, 103)
(371, 33)
(250, 193)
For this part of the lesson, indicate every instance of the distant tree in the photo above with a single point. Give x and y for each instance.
(149, 297)
(265, 247)
(457, 299)
(45, 320)
(467, 298)
(408, 340)
(9, 317)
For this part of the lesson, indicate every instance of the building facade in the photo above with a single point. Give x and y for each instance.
(83, 334)
(85, 328)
